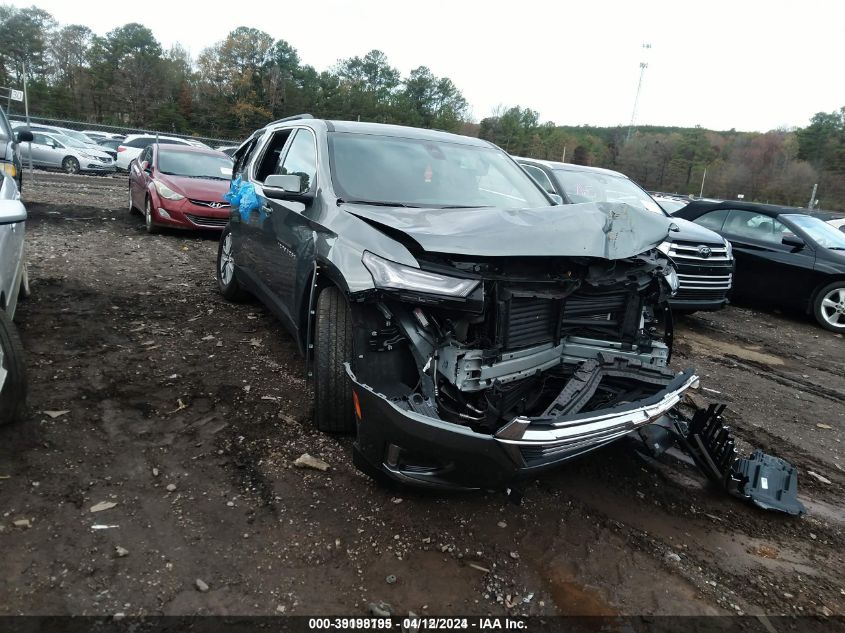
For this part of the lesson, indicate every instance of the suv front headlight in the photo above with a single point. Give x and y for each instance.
(729, 250)
(166, 192)
(392, 276)
(671, 277)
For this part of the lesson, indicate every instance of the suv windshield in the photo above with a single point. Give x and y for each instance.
(194, 165)
(424, 173)
(822, 233)
(589, 186)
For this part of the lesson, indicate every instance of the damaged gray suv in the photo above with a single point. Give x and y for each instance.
(466, 328)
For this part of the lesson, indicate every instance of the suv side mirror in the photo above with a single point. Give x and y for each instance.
(289, 183)
(12, 211)
(24, 136)
(145, 166)
(793, 241)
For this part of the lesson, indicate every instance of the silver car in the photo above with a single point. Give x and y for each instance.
(13, 283)
(55, 151)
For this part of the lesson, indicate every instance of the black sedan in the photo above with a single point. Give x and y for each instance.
(782, 255)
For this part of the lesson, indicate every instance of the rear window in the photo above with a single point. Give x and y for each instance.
(140, 142)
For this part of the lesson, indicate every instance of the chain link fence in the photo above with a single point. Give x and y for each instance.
(81, 126)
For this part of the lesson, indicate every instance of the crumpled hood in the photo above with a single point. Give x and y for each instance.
(602, 229)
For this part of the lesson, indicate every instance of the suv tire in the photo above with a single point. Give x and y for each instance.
(333, 412)
(13, 390)
(227, 276)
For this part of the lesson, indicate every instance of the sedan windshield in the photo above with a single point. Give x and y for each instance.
(79, 136)
(195, 165)
(70, 142)
(821, 232)
(590, 186)
(393, 171)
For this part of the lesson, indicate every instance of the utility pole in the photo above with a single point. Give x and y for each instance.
(813, 196)
(26, 110)
(563, 160)
(701, 191)
(643, 66)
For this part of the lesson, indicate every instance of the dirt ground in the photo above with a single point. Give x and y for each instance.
(150, 392)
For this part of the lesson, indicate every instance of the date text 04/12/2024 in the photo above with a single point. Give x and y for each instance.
(414, 623)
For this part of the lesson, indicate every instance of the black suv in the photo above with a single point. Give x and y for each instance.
(465, 327)
(10, 155)
(703, 258)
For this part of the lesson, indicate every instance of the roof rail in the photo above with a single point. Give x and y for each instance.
(291, 118)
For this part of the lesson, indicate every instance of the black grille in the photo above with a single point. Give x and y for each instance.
(210, 222)
(530, 322)
(534, 321)
(700, 295)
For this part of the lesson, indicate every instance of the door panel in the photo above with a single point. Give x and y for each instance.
(287, 239)
(765, 268)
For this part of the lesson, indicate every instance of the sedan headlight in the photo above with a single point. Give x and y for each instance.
(671, 277)
(393, 276)
(166, 192)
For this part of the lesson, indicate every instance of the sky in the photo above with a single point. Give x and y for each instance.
(743, 64)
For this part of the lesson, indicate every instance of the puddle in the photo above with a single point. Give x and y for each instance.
(708, 346)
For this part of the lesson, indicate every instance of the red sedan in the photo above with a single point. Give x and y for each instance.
(180, 186)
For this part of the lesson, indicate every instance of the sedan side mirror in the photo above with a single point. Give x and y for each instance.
(25, 136)
(557, 199)
(145, 166)
(793, 241)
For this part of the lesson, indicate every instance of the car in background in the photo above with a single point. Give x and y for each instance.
(838, 224)
(180, 186)
(132, 146)
(10, 154)
(54, 151)
(671, 204)
(97, 136)
(79, 137)
(13, 284)
(703, 259)
(229, 150)
(783, 256)
(109, 146)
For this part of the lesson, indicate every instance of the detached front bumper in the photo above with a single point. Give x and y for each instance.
(417, 449)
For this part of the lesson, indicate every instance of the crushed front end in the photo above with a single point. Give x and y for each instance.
(470, 372)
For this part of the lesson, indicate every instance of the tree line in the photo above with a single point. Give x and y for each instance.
(780, 166)
(234, 86)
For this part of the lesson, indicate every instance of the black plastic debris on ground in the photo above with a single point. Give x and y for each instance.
(766, 481)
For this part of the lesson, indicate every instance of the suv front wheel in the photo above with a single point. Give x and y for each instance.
(333, 412)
